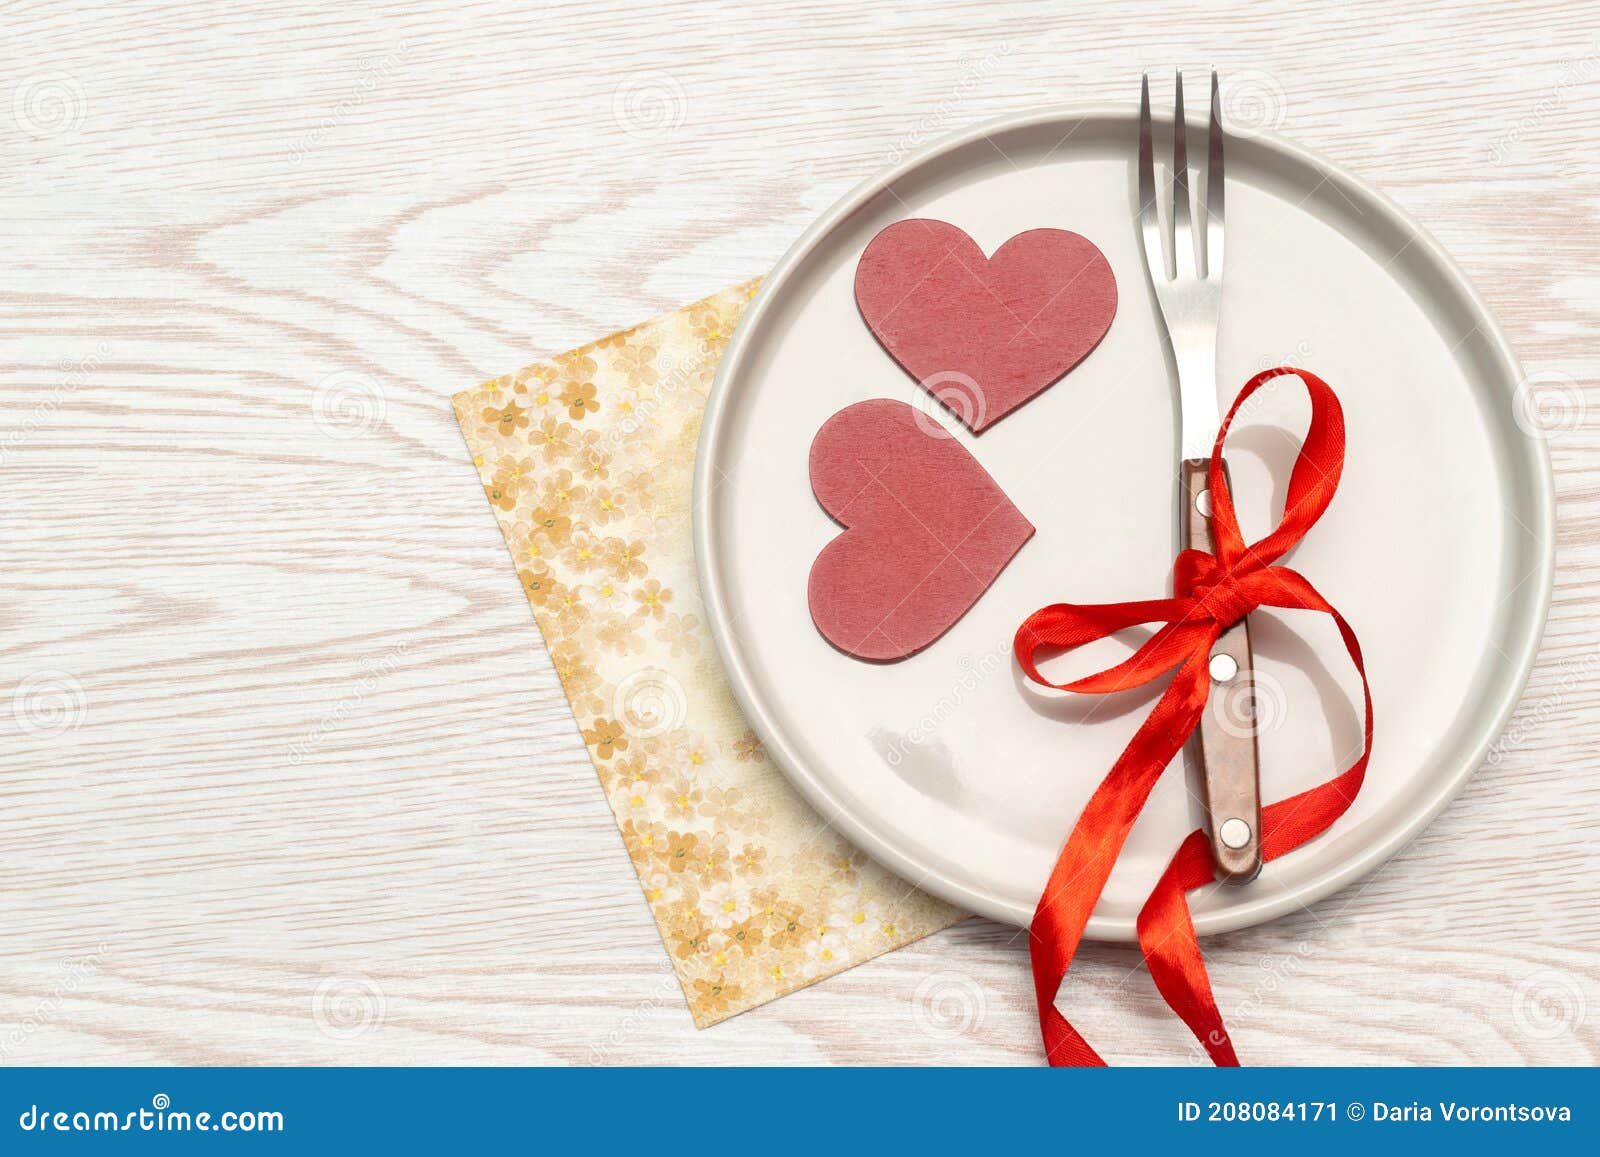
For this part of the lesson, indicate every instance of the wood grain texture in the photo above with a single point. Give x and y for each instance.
(286, 776)
(1223, 755)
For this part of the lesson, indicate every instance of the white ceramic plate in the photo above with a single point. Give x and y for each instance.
(1438, 547)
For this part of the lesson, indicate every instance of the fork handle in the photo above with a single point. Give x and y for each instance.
(1225, 751)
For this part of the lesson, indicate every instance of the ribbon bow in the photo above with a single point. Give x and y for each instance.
(1212, 592)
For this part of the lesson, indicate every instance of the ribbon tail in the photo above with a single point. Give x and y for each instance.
(1086, 861)
(1172, 950)
(1166, 928)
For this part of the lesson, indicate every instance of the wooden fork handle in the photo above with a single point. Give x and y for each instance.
(1224, 749)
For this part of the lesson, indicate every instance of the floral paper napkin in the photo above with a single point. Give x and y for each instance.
(587, 461)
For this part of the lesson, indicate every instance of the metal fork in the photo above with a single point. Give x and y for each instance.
(1189, 292)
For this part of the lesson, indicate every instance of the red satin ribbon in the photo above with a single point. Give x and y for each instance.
(1211, 593)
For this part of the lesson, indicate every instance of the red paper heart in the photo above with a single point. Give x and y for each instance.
(926, 530)
(984, 334)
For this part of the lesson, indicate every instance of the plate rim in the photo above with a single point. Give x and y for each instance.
(928, 879)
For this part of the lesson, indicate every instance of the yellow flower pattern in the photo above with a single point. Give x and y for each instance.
(586, 460)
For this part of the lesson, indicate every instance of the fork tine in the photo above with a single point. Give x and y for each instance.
(1183, 248)
(1149, 218)
(1214, 188)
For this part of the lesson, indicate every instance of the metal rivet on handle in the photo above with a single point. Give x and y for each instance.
(1202, 503)
(1235, 833)
(1223, 668)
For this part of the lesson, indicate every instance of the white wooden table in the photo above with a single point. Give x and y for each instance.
(284, 774)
